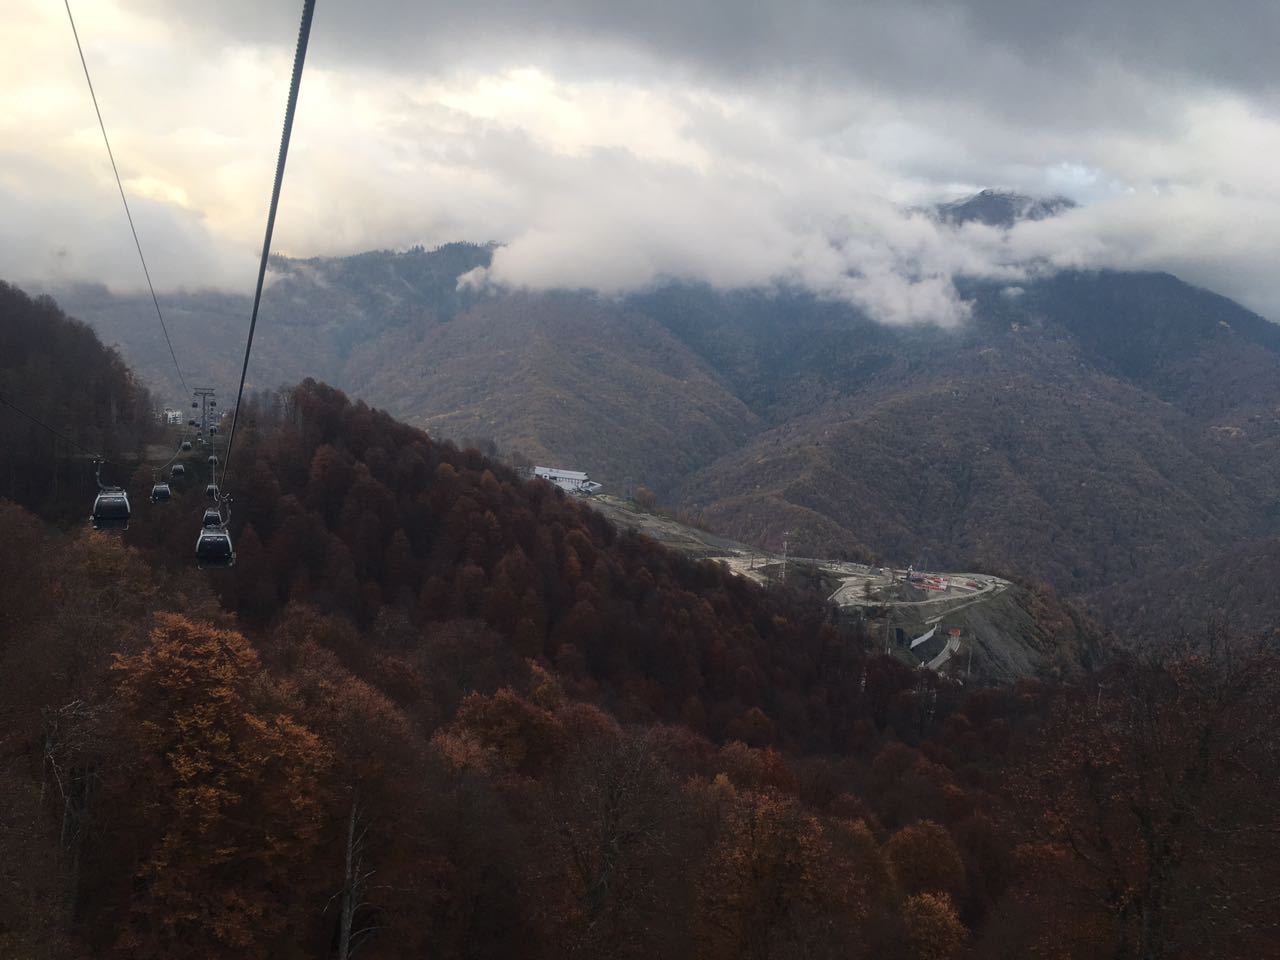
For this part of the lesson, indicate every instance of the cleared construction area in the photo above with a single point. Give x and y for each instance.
(965, 624)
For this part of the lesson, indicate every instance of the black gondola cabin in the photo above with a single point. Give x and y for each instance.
(111, 510)
(214, 549)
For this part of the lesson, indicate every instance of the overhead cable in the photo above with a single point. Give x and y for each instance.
(300, 55)
(40, 423)
(120, 186)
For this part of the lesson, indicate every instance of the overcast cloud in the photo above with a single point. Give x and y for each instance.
(607, 144)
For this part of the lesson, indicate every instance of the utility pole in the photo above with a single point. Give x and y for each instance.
(785, 537)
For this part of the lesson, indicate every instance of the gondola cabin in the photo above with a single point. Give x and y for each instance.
(111, 510)
(213, 548)
(186, 445)
(178, 471)
(211, 491)
(213, 460)
(160, 493)
(212, 518)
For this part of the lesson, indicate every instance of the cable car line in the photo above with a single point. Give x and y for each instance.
(120, 186)
(161, 492)
(213, 543)
(111, 506)
(164, 466)
(111, 510)
(214, 547)
(40, 423)
(300, 55)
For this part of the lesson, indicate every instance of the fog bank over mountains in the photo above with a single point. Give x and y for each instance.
(607, 147)
(900, 265)
(896, 263)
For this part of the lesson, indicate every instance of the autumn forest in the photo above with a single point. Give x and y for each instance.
(436, 710)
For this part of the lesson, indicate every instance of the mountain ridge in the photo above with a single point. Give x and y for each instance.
(1088, 427)
(1001, 208)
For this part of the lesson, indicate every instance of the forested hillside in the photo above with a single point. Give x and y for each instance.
(586, 374)
(317, 315)
(1099, 431)
(341, 507)
(57, 369)
(175, 784)
(436, 710)
(1091, 429)
(544, 376)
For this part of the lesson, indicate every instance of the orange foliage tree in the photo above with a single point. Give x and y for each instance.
(772, 885)
(1153, 804)
(933, 931)
(230, 784)
(925, 859)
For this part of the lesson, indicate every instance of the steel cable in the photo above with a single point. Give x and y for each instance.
(120, 186)
(304, 33)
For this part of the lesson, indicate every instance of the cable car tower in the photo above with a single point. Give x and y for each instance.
(203, 399)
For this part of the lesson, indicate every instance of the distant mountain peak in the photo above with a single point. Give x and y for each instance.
(1000, 208)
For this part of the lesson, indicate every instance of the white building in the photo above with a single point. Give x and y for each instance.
(571, 480)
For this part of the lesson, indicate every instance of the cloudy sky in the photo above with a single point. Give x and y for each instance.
(609, 143)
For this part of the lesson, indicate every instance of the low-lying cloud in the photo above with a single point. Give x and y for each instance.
(608, 146)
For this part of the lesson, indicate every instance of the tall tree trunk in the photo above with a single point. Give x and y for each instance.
(355, 878)
(348, 889)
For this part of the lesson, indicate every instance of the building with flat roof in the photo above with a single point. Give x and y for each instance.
(573, 481)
